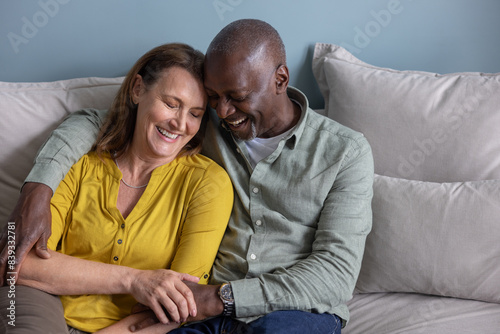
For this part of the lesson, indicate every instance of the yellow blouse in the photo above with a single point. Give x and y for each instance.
(177, 223)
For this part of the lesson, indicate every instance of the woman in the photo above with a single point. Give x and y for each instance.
(140, 202)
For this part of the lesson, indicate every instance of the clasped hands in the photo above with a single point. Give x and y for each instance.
(173, 297)
(165, 292)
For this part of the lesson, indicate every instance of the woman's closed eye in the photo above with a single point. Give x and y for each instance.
(172, 105)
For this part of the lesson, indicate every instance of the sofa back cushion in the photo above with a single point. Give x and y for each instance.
(29, 112)
(434, 238)
(421, 126)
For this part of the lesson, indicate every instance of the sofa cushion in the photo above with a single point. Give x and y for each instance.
(29, 111)
(411, 313)
(421, 126)
(434, 238)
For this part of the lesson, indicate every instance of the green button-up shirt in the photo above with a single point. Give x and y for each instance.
(297, 232)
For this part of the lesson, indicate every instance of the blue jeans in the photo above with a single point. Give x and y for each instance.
(279, 322)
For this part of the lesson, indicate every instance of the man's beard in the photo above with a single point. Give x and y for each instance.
(253, 133)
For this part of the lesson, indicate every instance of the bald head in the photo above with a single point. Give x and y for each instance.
(246, 79)
(257, 39)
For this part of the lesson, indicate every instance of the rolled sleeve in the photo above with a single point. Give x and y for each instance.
(251, 296)
(65, 146)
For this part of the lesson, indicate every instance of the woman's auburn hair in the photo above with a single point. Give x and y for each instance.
(118, 129)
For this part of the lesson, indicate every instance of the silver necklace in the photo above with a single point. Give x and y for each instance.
(128, 185)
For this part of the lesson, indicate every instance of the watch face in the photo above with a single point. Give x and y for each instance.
(226, 292)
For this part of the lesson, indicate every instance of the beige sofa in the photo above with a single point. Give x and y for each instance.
(432, 260)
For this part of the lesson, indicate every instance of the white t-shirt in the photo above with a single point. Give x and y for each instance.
(260, 148)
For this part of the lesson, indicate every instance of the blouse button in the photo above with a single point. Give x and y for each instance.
(258, 222)
(115, 258)
(255, 190)
(119, 241)
(253, 256)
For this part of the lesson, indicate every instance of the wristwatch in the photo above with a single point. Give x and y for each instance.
(226, 295)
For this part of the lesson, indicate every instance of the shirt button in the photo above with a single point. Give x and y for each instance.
(253, 256)
(255, 190)
(119, 241)
(123, 226)
(115, 258)
(258, 222)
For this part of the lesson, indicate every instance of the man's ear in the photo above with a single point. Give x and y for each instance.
(137, 88)
(282, 78)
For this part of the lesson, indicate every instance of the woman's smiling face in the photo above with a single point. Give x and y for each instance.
(169, 114)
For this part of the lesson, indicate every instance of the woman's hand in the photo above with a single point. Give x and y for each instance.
(163, 290)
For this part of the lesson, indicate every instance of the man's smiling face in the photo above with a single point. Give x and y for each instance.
(242, 89)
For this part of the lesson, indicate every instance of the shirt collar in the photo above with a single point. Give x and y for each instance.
(298, 97)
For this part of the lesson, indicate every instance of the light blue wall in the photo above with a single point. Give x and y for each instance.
(45, 40)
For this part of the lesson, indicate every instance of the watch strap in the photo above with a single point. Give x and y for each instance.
(226, 295)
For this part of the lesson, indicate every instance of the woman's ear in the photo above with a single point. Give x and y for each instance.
(282, 78)
(137, 88)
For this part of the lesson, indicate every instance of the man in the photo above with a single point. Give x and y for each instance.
(303, 186)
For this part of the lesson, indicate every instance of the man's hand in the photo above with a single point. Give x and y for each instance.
(31, 226)
(207, 301)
